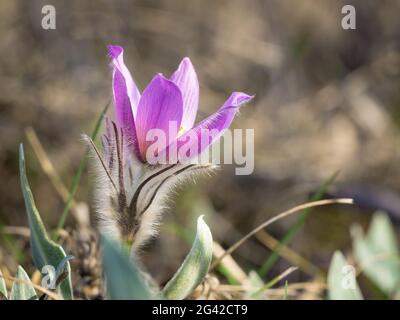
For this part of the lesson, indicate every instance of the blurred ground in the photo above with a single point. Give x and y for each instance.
(326, 100)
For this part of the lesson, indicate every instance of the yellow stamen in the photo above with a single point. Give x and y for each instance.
(181, 131)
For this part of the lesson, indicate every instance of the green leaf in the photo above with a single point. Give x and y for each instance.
(342, 284)
(124, 280)
(3, 288)
(195, 266)
(378, 254)
(22, 288)
(44, 251)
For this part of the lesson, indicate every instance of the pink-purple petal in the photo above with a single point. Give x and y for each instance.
(216, 124)
(123, 112)
(186, 79)
(159, 107)
(116, 53)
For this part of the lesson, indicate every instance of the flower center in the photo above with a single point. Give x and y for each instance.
(181, 131)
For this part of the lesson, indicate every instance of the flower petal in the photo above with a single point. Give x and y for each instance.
(123, 112)
(159, 107)
(186, 79)
(116, 53)
(217, 123)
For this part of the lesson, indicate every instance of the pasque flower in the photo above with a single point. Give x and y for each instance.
(165, 101)
(131, 184)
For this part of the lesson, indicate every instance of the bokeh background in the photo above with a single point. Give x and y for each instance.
(327, 100)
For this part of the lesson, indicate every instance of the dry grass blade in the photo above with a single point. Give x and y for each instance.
(47, 165)
(275, 280)
(15, 230)
(230, 264)
(291, 287)
(279, 217)
(288, 254)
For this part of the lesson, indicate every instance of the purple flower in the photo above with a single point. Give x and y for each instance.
(165, 101)
(131, 191)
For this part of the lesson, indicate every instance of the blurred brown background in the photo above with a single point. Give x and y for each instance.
(327, 99)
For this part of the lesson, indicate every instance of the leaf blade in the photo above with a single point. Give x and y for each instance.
(336, 276)
(378, 254)
(123, 278)
(3, 287)
(44, 251)
(22, 288)
(195, 266)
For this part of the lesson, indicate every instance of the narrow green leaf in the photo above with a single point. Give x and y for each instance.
(187, 235)
(228, 275)
(378, 253)
(342, 284)
(3, 288)
(195, 266)
(44, 251)
(22, 288)
(124, 280)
